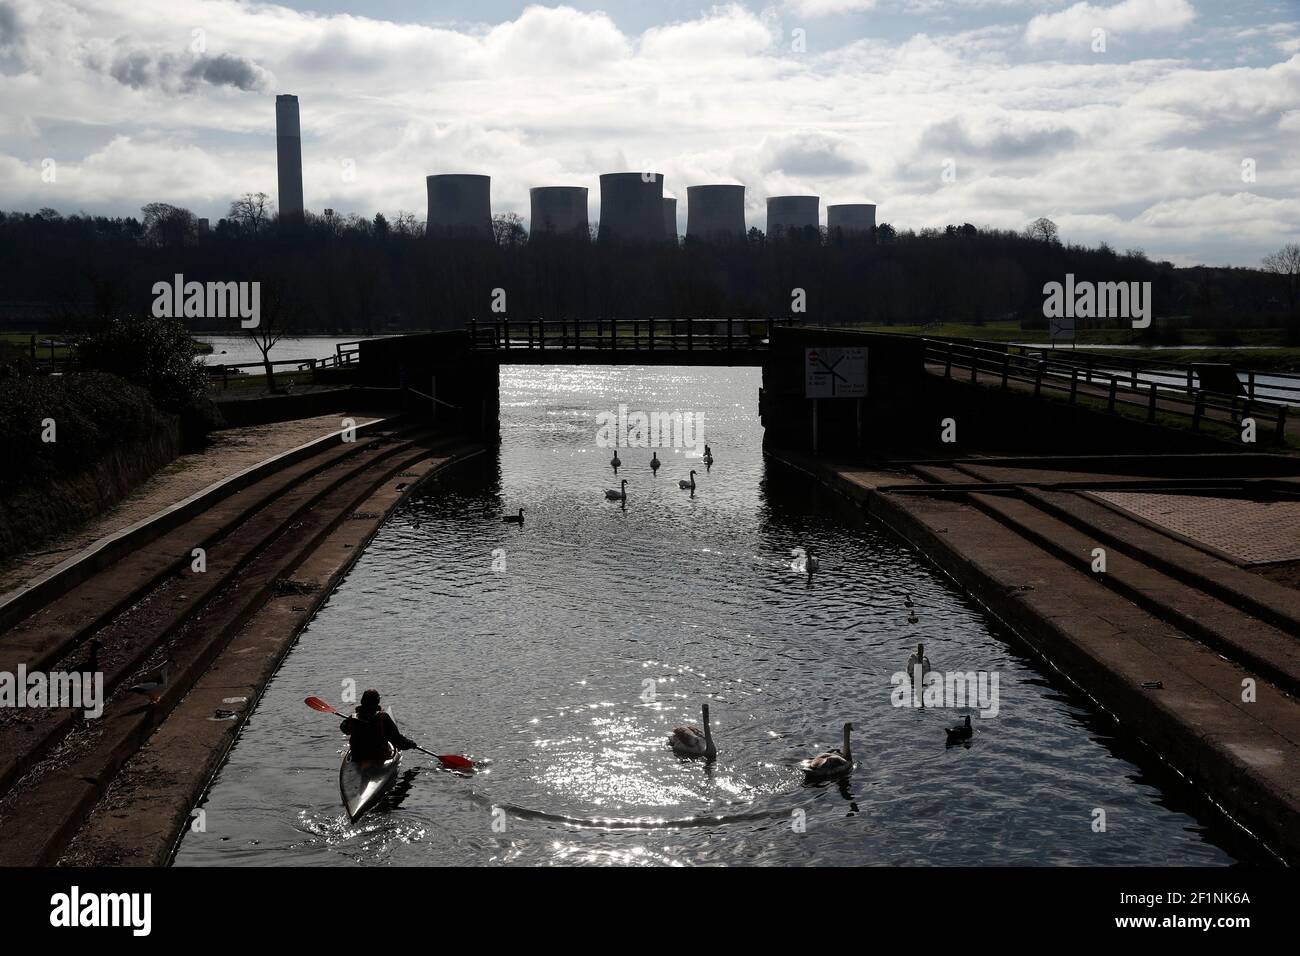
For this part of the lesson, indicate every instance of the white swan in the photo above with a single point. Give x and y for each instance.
(690, 741)
(616, 463)
(620, 495)
(685, 485)
(655, 462)
(832, 763)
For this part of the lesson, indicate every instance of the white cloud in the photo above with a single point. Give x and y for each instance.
(825, 8)
(1131, 16)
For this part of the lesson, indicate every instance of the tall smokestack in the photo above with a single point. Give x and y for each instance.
(288, 156)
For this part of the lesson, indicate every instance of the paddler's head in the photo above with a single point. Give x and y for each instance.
(369, 701)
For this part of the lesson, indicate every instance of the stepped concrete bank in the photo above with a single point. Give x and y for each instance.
(1167, 641)
(277, 537)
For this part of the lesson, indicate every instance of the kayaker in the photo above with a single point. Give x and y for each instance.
(372, 730)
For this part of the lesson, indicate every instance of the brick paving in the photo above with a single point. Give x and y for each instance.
(1251, 532)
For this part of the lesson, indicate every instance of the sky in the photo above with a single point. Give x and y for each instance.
(1171, 126)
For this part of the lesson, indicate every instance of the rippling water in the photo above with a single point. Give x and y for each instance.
(563, 654)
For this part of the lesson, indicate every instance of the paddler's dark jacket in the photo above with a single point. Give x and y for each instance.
(372, 733)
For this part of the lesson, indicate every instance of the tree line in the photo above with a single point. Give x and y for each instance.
(352, 275)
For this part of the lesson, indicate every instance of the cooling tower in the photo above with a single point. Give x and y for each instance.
(561, 210)
(632, 209)
(459, 205)
(850, 218)
(791, 212)
(288, 156)
(715, 212)
(670, 219)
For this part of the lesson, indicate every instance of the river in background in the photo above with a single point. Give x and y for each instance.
(235, 349)
(563, 653)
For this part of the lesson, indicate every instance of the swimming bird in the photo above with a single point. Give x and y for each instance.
(685, 485)
(918, 659)
(690, 741)
(911, 617)
(616, 463)
(153, 686)
(959, 733)
(810, 562)
(620, 495)
(514, 519)
(907, 601)
(832, 763)
(655, 462)
(708, 458)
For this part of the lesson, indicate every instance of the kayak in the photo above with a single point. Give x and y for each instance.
(363, 782)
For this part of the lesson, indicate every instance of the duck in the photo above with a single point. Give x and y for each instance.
(685, 485)
(620, 495)
(832, 763)
(514, 519)
(153, 686)
(962, 731)
(689, 741)
(616, 463)
(655, 462)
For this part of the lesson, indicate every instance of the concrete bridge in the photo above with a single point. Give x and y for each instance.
(995, 398)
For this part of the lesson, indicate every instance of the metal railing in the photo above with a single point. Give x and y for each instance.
(623, 334)
(1116, 389)
(1177, 376)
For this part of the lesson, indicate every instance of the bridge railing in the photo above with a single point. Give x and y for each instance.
(1117, 389)
(1180, 376)
(623, 334)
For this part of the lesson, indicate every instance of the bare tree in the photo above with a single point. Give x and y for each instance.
(277, 314)
(251, 211)
(1286, 263)
(1042, 229)
(508, 229)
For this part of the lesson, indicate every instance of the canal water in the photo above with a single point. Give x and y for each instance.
(561, 654)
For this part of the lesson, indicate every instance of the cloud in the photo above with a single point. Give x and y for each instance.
(229, 70)
(826, 8)
(1000, 138)
(1076, 23)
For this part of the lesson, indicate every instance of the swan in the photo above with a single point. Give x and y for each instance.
(918, 660)
(911, 617)
(961, 732)
(690, 741)
(810, 562)
(832, 763)
(514, 519)
(616, 463)
(620, 495)
(685, 485)
(907, 601)
(655, 462)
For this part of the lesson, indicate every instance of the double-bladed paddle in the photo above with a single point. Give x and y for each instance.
(454, 761)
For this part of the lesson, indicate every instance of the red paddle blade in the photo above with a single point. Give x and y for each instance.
(315, 703)
(456, 762)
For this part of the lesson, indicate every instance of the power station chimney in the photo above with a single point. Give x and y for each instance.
(288, 156)
(670, 219)
(851, 218)
(459, 205)
(715, 213)
(558, 210)
(632, 207)
(786, 213)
